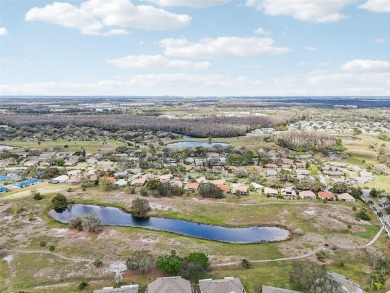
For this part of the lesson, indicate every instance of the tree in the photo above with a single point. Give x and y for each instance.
(246, 264)
(362, 215)
(325, 285)
(170, 264)
(210, 190)
(304, 274)
(82, 285)
(140, 207)
(59, 202)
(141, 261)
(194, 265)
(91, 223)
(375, 192)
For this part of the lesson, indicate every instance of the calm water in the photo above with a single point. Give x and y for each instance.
(196, 144)
(116, 217)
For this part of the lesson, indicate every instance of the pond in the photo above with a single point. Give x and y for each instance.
(116, 217)
(196, 144)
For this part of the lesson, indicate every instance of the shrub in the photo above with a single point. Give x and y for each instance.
(246, 264)
(75, 223)
(140, 207)
(82, 285)
(42, 243)
(52, 248)
(141, 261)
(91, 223)
(98, 263)
(362, 215)
(170, 264)
(38, 196)
(59, 201)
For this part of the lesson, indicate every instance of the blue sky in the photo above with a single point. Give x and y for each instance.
(195, 47)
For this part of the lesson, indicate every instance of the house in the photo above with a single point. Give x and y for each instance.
(345, 197)
(138, 182)
(169, 285)
(73, 180)
(242, 190)
(74, 173)
(121, 183)
(224, 188)
(303, 172)
(72, 161)
(271, 192)
(288, 192)
(269, 173)
(326, 195)
(307, 194)
(269, 289)
(176, 183)
(271, 166)
(201, 180)
(256, 186)
(59, 179)
(192, 186)
(218, 182)
(227, 284)
(166, 177)
(122, 289)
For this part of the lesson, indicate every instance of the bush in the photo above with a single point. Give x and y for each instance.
(98, 263)
(76, 223)
(42, 243)
(82, 285)
(170, 264)
(144, 191)
(52, 248)
(141, 261)
(140, 207)
(59, 202)
(362, 215)
(89, 223)
(246, 264)
(37, 195)
(210, 190)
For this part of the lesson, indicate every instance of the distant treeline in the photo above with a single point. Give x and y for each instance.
(199, 127)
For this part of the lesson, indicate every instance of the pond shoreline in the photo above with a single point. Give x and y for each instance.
(185, 221)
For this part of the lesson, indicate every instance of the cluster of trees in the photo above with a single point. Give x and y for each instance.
(313, 278)
(201, 127)
(158, 188)
(210, 190)
(191, 266)
(90, 223)
(304, 140)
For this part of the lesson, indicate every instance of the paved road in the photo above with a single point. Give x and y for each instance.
(385, 220)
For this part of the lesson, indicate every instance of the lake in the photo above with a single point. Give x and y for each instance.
(112, 216)
(196, 144)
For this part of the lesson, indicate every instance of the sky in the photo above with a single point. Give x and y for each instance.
(195, 47)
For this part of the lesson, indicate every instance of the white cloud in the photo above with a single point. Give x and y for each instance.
(376, 5)
(310, 48)
(366, 66)
(221, 47)
(188, 3)
(262, 31)
(97, 17)
(3, 31)
(305, 10)
(148, 84)
(380, 40)
(156, 62)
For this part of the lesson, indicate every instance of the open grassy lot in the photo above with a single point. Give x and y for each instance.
(24, 223)
(74, 145)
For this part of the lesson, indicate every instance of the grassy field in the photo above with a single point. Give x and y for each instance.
(73, 146)
(117, 243)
